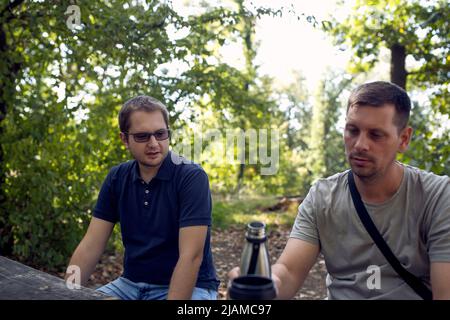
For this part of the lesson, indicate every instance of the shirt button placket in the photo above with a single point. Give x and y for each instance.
(146, 197)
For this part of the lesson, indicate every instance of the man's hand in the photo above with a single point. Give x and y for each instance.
(88, 252)
(236, 272)
(232, 274)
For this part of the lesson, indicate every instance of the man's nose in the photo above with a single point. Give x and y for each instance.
(362, 143)
(152, 141)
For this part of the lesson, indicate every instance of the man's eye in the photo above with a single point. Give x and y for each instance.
(352, 131)
(141, 136)
(159, 134)
(376, 135)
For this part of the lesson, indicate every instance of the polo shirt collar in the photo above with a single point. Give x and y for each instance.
(165, 171)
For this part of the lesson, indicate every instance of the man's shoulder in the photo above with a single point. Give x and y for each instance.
(189, 176)
(423, 174)
(121, 170)
(426, 180)
(337, 179)
(185, 167)
(326, 190)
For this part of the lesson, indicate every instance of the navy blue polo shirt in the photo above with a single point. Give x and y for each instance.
(151, 215)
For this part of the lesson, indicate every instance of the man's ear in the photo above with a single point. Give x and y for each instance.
(405, 138)
(124, 139)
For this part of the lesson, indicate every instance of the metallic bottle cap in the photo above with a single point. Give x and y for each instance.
(256, 230)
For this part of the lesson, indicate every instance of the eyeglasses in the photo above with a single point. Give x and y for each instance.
(159, 135)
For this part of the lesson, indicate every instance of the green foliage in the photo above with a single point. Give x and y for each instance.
(331, 90)
(421, 26)
(240, 212)
(430, 145)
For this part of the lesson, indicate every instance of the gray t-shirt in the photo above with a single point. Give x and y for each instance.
(415, 223)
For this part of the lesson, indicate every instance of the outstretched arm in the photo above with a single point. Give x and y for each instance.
(293, 266)
(440, 280)
(191, 244)
(90, 249)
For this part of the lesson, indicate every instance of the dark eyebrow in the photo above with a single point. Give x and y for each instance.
(377, 130)
(158, 130)
(381, 130)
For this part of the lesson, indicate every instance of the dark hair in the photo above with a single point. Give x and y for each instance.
(378, 93)
(140, 103)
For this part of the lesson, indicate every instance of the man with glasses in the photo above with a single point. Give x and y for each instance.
(163, 204)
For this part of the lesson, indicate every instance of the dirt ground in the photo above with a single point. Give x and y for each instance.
(227, 247)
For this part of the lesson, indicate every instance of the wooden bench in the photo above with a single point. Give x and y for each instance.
(20, 282)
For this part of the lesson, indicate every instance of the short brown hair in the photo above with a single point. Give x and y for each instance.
(140, 103)
(378, 93)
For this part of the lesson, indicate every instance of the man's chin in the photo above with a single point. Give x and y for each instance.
(363, 173)
(151, 164)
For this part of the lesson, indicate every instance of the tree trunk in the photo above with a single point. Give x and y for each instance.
(6, 239)
(7, 89)
(240, 178)
(398, 69)
(249, 53)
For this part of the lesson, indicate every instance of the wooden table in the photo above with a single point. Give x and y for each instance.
(20, 282)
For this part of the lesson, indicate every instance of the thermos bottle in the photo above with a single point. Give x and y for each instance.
(255, 256)
(255, 282)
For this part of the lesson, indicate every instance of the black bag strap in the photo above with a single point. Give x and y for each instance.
(415, 283)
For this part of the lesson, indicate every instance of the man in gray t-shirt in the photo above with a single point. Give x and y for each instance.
(415, 223)
(409, 207)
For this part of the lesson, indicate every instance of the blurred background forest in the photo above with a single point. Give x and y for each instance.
(62, 84)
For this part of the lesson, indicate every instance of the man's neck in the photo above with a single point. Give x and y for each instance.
(381, 188)
(148, 173)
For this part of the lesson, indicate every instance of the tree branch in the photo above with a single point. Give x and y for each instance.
(11, 6)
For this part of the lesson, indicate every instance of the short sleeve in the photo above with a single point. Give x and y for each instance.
(106, 207)
(195, 199)
(305, 226)
(438, 243)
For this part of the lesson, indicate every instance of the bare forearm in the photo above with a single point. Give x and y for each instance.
(85, 259)
(441, 296)
(287, 284)
(440, 275)
(89, 250)
(183, 279)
